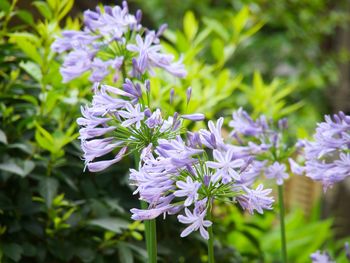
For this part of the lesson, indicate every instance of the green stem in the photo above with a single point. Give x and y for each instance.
(150, 228)
(283, 229)
(211, 239)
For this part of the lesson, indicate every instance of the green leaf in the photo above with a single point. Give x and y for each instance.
(217, 27)
(32, 69)
(112, 224)
(52, 4)
(240, 20)
(26, 17)
(17, 166)
(65, 7)
(190, 25)
(11, 167)
(28, 43)
(13, 251)
(5, 5)
(43, 8)
(125, 254)
(217, 49)
(48, 187)
(3, 137)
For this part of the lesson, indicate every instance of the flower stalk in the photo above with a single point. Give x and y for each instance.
(282, 224)
(211, 258)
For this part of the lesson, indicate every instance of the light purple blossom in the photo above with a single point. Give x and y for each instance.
(226, 166)
(132, 115)
(149, 56)
(295, 167)
(76, 63)
(102, 165)
(194, 117)
(213, 138)
(327, 157)
(155, 119)
(188, 189)
(195, 220)
(277, 171)
(243, 124)
(257, 199)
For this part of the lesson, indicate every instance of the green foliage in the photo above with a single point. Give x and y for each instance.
(49, 211)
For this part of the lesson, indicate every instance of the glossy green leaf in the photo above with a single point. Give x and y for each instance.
(13, 251)
(43, 8)
(26, 17)
(3, 137)
(32, 69)
(190, 25)
(115, 225)
(48, 187)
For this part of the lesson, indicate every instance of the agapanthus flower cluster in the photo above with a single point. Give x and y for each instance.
(327, 157)
(113, 42)
(264, 140)
(185, 176)
(121, 118)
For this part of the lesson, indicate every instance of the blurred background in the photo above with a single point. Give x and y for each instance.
(281, 58)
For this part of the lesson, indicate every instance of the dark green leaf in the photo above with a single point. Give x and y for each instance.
(3, 137)
(26, 17)
(13, 251)
(48, 187)
(125, 254)
(112, 224)
(43, 8)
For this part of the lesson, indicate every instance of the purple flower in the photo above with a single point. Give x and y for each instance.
(100, 69)
(213, 138)
(188, 189)
(188, 94)
(72, 39)
(133, 89)
(155, 119)
(76, 63)
(327, 157)
(276, 171)
(226, 166)
(243, 124)
(194, 117)
(150, 57)
(132, 115)
(97, 148)
(139, 214)
(196, 220)
(102, 165)
(295, 167)
(319, 257)
(257, 199)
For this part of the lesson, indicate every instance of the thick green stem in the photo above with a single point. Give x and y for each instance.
(283, 229)
(150, 228)
(211, 258)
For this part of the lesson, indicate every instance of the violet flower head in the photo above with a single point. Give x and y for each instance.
(105, 28)
(132, 115)
(182, 175)
(188, 189)
(327, 156)
(257, 199)
(195, 220)
(226, 165)
(277, 171)
(242, 123)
